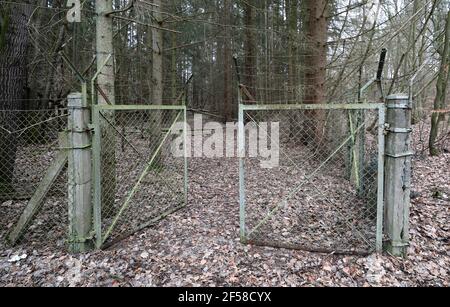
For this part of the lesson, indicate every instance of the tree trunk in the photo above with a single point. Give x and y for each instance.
(292, 13)
(293, 74)
(157, 38)
(157, 77)
(49, 87)
(316, 28)
(441, 91)
(173, 64)
(106, 81)
(14, 43)
(227, 79)
(250, 47)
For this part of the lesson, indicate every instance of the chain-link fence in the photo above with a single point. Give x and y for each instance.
(143, 179)
(33, 181)
(141, 172)
(323, 189)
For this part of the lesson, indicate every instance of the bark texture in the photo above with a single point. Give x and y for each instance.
(316, 28)
(250, 47)
(441, 91)
(14, 42)
(106, 82)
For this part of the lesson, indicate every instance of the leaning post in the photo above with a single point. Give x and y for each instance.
(79, 175)
(398, 173)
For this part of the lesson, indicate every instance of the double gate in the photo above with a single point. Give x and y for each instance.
(315, 178)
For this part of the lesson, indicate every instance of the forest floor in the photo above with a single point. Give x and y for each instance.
(199, 245)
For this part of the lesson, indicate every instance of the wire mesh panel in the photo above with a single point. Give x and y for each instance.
(148, 181)
(314, 178)
(33, 181)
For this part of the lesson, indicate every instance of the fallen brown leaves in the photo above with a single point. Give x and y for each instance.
(198, 246)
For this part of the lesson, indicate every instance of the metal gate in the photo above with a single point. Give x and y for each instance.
(325, 192)
(139, 180)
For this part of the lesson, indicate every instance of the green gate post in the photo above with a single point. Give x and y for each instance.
(79, 175)
(398, 173)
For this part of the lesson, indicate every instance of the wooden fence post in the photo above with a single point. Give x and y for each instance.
(398, 173)
(79, 175)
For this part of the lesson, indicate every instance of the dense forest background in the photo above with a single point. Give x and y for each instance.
(213, 55)
(281, 51)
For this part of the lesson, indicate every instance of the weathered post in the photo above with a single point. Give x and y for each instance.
(79, 175)
(398, 173)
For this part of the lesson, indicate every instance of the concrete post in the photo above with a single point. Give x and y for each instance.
(398, 173)
(79, 175)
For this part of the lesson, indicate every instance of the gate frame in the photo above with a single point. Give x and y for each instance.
(381, 107)
(96, 157)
